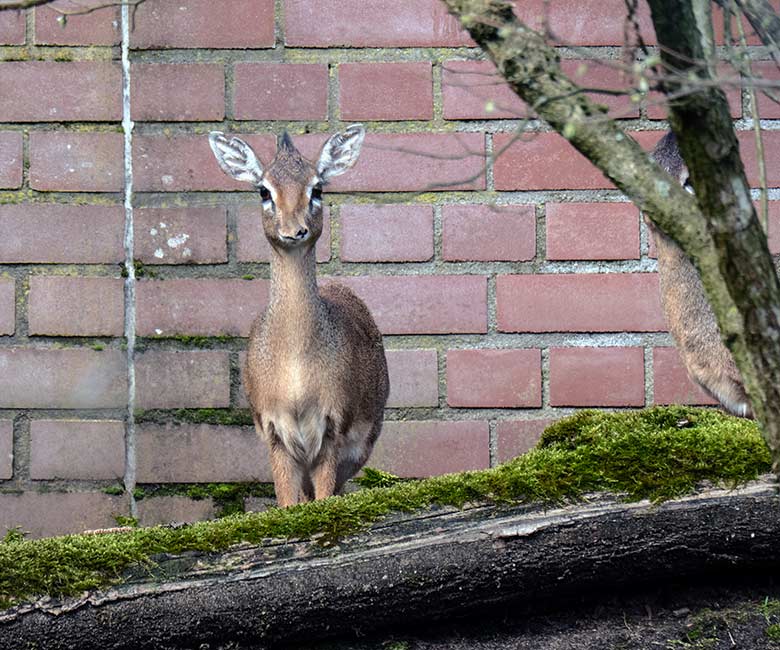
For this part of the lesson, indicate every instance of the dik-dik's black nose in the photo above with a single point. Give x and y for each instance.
(301, 234)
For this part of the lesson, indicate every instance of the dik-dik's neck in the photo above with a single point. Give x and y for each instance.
(294, 295)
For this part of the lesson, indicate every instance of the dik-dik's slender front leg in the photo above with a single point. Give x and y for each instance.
(286, 470)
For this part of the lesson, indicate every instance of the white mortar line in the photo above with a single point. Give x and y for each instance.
(127, 128)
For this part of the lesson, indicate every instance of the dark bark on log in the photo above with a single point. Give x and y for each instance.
(417, 569)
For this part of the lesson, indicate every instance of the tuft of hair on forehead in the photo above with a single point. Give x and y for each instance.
(288, 164)
(284, 141)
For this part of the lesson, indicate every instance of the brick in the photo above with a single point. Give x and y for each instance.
(61, 92)
(386, 91)
(429, 448)
(386, 233)
(7, 306)
(488, 232)
(203, 24)
(6, 449)
(592, 302)
(671, 383)
(191, 235)
(473, 90)
(767, 108)
(516, 437)
(201, 307)
(494, 378)
(183, 379)
(10, 159)
(76, 306)
(747, 147)
(61, 234)
(414, 378)
(76, 162)
(424, 304)
(548, 162)
(773, 226)
(159, 511)
(592, 231)
(12, 28)
(368, 23)
(185, 162)
(77, 449)
(59, 513)
(99, 27)
(254, 247)
(177, 92)
(66, 379)
(584, 23)
(200, 454)
(597, 377)
(281, 91)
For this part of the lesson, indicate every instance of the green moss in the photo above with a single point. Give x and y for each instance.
(227, 417)
(122, 520)
(228, 497)
(114, 490)
(372, 478)
(773, 632)
(248, 276)
(625, 453)
(98, 347)
(194, 341)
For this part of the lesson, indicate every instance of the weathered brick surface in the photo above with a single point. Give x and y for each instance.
(386, 91)
(61, 234)
(6, 449)
(98, 27)
(59, 513)
(599, 302)
(424, 304)
(516, 437)
(177, 92)
(12, 28)
(182, 379)
(774, 226)
(67, 379)
(767, 108)
(499, 378)
(386, 233)
(200, 454)
(76, 162)
(203, 23)
(203, 307)
(747, 148)
(158, 511)
(414, 379)
(671, 383)
(76, 306)
(60, 92)
(10, 159)
(368, 23)
(597, 377)
(77, 449)
(592, 231)
(191, 235)
(7, 306)
(486, 232)
(252, 244)
(281, 91)
(428, 448)
(548, 161)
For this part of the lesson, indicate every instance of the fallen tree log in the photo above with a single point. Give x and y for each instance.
(420, 567)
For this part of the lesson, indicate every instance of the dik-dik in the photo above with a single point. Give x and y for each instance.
(688, 312)
(316, 373)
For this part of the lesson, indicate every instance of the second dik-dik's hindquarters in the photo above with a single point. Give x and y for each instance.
(688, 312)
(316, 374)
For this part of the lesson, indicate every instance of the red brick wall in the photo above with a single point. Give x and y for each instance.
(510, 292)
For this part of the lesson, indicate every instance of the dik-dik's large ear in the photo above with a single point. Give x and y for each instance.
(340, 152)
(236, 158)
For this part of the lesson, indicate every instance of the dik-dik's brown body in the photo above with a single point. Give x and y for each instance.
(316, 374)
(688, 313)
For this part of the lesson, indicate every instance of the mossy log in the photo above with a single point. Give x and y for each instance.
(421, 567)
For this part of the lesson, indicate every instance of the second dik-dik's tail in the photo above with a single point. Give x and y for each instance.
(688, 313)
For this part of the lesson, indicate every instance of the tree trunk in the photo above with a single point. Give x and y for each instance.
(419, 568)
(731, 256)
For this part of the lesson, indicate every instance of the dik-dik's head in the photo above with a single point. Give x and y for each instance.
(291, 186)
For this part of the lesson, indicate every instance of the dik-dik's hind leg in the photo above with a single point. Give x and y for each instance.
(355, 455)
(323, 471)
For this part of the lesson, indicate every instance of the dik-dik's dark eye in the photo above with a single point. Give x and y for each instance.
(316, 192)
(265, 194)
